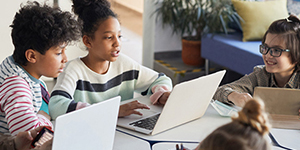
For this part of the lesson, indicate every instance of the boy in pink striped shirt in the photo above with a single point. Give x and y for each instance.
(40, 35)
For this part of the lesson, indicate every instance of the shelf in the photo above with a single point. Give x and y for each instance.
(171, 64)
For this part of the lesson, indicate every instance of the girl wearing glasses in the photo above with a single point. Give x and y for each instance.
(280, 50)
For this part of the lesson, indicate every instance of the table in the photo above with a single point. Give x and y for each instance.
(126, 142)
(195, 131)
(172, 146)
(287, 137)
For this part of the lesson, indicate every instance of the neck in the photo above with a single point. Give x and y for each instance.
(282, 78)
(100, 67)
(31, 70)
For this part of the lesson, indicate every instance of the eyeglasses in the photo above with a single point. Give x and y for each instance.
(275, 52)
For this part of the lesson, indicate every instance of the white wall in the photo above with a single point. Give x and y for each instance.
(155, 37)
(136, 5)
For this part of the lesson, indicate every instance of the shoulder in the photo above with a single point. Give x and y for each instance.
(260, 69)
(73, 62)
(74, 65)
(124, 58)
(14, 81)
(10, 68)
(16, 85)
(126, 63)
(261, 73)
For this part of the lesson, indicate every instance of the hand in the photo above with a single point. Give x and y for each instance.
(239, 99)
(41, 112)
(163, 99)
(24, 139)
(46, 146)
(130, 108)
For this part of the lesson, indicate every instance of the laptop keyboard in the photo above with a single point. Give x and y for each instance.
(147, 123)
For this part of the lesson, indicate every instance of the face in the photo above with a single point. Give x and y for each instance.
(106, 44)
(51, 63)
(278, 65)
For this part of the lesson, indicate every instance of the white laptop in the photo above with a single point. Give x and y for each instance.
(188, 101)
(90, 128)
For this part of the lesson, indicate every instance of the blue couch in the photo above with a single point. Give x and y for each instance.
(231, 52)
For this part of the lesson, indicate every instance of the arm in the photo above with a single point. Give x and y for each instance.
(156, 85)
(61, 100)
(16, 102)
(242, 89)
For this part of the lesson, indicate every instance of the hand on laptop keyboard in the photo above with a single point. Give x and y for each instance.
(131, 108)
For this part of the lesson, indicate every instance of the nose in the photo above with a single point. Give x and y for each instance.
(117, 42)
(269, 54)
(64, 57)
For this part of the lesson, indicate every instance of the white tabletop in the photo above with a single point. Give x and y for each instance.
(287, 137)
(197, 130)
(126, 142)
(172, 146)
(193, 131)
(188, 146)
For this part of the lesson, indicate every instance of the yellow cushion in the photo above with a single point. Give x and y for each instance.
(258, 16)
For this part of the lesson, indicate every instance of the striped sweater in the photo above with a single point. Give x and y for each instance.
(78, 86)
(20, 99)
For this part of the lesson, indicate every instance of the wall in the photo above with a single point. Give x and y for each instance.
(155, 37)
(137, 5)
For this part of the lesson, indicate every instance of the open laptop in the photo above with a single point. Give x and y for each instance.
(282, 104)
(188, 101)
(90, 128)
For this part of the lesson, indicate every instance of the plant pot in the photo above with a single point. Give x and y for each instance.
(191, 53)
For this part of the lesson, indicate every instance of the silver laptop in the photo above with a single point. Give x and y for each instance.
(188, 101)
(90, 128)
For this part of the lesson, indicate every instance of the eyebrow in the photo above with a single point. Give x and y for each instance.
(276, 46)
(111, 31)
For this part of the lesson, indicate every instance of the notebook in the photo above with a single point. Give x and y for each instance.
(282, 104)
(188, 101)
(89, 128)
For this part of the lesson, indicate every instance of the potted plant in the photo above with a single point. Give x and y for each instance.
(194, 19)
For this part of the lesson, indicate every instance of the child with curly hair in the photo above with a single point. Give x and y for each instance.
(40, 35)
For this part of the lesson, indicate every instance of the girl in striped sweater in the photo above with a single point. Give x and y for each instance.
(105, 72)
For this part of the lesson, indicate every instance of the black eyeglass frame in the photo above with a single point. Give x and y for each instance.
(261, 47)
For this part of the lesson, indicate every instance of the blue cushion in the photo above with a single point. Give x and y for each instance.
(231, 52)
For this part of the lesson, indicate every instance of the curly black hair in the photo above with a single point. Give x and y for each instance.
(92, 13)
(40, 27)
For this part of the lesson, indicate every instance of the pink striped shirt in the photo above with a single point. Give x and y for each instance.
(17, 108)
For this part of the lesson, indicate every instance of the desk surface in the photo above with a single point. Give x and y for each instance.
(126, 142)
(172, 146)
(197, 130)
(193, 131)
(190, 146)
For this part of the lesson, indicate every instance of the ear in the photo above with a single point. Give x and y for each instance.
(30, 55)
(87, 41)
